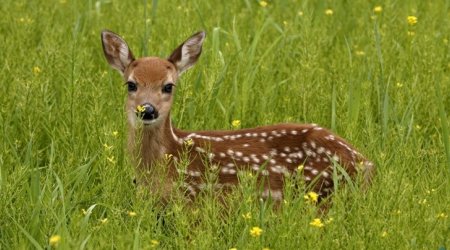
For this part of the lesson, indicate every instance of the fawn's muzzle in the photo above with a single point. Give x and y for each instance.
(147, 112)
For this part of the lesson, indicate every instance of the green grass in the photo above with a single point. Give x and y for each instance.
(356, 72)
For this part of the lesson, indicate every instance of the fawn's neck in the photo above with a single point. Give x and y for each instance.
(151, 143)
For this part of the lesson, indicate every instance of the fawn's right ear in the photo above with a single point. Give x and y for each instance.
(116, 51)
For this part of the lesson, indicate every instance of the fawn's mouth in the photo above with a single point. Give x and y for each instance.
(147, 114)
(149, 122)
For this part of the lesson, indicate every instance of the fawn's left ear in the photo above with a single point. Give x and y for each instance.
(116, 51)
(187, 54)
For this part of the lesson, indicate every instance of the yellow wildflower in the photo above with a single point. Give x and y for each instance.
(442, 216)
(140, 109)
(266, 248)
(411, 33)
(111, 159)
(311, 197)
(378, 9)
(399, 84)
(167, 156)
(263, 4)
(189, 142)
(285, 23)
(431, 190)
(107, 147)
(236, 123)
(328, 12)
(317, 222)
(247, 216)
(84, 211)
(300, 167)
(36, 70)
(329, 220)
(256, 231)
(54, 240)
(115, 133)
(384, 234)
(104, 221)
(131, 213)
(300, 13)
(233, 248)
(412, 20)
(154, 243)
(360, 53)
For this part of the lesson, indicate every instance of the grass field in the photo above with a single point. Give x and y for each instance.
(370, 74)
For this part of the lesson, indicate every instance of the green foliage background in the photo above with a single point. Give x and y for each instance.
(371, 77)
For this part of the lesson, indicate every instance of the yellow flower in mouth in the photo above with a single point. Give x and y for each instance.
(317, 223)
(54, 240)
(412, 20)
(256, 231)
(140, 109)
(236, 123)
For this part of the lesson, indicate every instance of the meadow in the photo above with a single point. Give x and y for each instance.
(374, 72)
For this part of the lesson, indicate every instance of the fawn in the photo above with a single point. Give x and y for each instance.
(273, 153)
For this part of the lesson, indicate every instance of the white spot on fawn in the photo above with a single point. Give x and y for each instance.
(200, 150)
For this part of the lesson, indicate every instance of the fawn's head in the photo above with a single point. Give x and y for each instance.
(151, 81)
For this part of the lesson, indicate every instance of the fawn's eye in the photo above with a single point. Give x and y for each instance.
(131, 86)
(168, 88)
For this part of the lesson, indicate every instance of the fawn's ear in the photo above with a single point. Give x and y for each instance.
(116, 51)
(187, 54)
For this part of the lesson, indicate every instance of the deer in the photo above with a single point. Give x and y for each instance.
(273, 152)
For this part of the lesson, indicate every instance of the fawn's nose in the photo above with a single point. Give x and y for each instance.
(147, 112)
